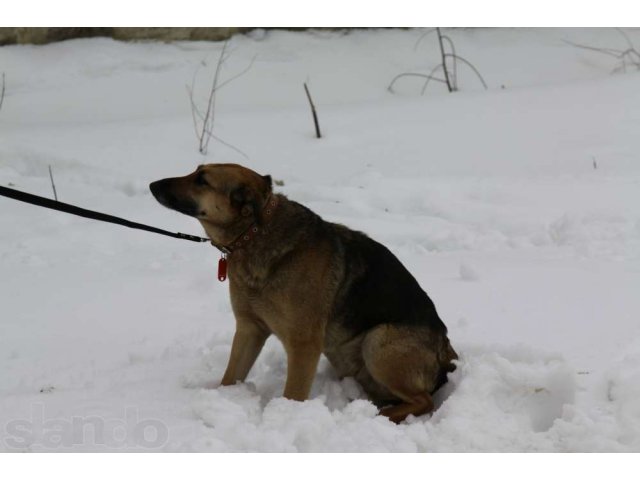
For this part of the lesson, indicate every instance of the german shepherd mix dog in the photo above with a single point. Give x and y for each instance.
(320, 288)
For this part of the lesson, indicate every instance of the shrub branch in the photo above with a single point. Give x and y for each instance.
(449, 59)
(203, 123)
(629, 56)
(2, 92)
(313, 111)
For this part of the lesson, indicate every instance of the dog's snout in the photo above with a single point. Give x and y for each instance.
(157, 188)
(161, 190)
(167, 193)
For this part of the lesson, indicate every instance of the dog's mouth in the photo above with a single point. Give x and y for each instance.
(163, 193)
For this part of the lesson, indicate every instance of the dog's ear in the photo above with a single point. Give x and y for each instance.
(268, 182)
(247, 201)
(244, 200)
(239, 197)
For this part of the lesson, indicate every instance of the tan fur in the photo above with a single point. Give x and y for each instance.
(285, 282)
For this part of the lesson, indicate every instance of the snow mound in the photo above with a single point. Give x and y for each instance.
(502, 400)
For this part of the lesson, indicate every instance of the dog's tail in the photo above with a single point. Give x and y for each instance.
(446, 354)
(446, 357)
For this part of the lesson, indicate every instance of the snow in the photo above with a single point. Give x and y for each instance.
(516, 208)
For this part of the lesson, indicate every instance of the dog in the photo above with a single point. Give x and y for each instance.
(319, 287)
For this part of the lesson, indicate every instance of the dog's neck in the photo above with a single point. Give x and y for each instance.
(253, 264)
(229, 238)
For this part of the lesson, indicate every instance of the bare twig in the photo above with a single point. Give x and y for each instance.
(194, 111)
(454, 74)
(626, 37)
(627, 57)
(411, 74)
(449, 59)
(313, 111)
(2, 92)
(207, 122)
(431, 77)
(196, 114)
(203, 123)
(227, 144)
(466, 62)
(444, 61)
(238, 75)
(53, 184)
(422, 37)
(607, 51)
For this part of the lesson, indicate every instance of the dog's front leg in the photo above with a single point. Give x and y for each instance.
(247, 344)
(302, 362)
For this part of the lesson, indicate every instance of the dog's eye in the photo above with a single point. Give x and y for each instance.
(200, 180)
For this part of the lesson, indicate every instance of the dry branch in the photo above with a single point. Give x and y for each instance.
(431, 77)
(449, 59)
(2, 92)
(53, 184)
(422, 37)
(203, 123)
(454, 73)
(627, 56)
(313, 112)
(444, 61)
(466, 62)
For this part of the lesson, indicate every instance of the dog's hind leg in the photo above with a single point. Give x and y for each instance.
(418, 405)
(402, 360)
(247, 344)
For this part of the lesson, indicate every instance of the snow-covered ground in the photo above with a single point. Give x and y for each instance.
(517, 208)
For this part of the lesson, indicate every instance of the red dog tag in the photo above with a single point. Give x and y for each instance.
(222, 269)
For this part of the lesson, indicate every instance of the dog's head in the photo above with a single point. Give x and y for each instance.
(223, 197)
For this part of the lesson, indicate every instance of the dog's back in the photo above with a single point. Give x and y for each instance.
(377, 288)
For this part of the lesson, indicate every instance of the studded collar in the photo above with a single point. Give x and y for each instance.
(253, 230)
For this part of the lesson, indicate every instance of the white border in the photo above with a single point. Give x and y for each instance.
(324, 467)
(319, 13)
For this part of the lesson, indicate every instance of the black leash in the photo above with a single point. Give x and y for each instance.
(82, 212)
